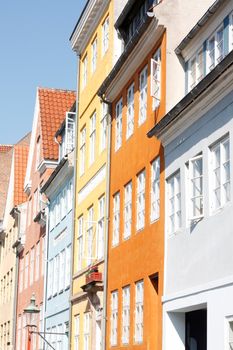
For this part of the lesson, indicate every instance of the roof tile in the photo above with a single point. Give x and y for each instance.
(53, 106)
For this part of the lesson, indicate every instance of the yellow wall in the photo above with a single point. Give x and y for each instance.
(89, 103)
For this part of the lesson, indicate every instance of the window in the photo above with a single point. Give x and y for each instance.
(54, 337)
(128, 210)
(196, 187)
(52, 215)
(32, 261)
(142, 96)
(220, 177)
(100, 238)
(90, 235)
(42, 256)
(103, 127)
(105, 35)
(156, 78)
(26, 270)
(118, 125)
(62, 270)
(130, 111)
(196, 69)
(68, 266)
(87, 331)
(139, 296)
(21, 264)
(37, 272)
(114, 317)
(92, 138)
(125, 315)
(94, 55)
(174, 203)
(80, 242)
(55, 274)
(215, 49)
(85, 62)
(70, 195)
(82, 152)
(50, 278)
(155, 190)
(116, 219)
(63, 203)
(76, 332)
(141, 185)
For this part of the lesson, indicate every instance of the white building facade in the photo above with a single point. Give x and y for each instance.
(197, 135)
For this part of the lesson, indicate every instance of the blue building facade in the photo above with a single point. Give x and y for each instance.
(59, 192)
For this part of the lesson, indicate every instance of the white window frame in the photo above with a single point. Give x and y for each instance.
(103, 127)
(68, 266)
(223, 181)
(139, 311)
(62, 270)
(141, 202)
(85, 65)
(76, 331)
(101, 229)
(193, 196)
(143, 95)
(55, 274)
(130, 111)
(116, 219)
(32, 265)
(118, 125)
(127, 210)
(196, 69)
(125, 315)
(105, 35)
(114, 318)
(50, 279)
(155, 87)
(155, 190)
(80, 242)
(92, 138)
(212, 54)
(82, 151)
(90, 235)
(37, 268)
(174, 202)
(94, 55)
(86, 330)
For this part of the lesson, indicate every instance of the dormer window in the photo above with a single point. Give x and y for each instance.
(135, 16)
(68, 135)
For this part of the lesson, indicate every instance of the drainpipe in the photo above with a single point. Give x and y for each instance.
(74, 198)
(107, 195)
(46, 267)
(16, 288)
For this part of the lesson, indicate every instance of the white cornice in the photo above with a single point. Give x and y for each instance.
(135, 58)
(87, 24)
(212, 95)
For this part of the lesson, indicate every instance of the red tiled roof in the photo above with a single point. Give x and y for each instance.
(5, 148)
(20, 158)
(53, 106)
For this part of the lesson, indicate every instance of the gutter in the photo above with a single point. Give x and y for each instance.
(192, 95)
(74, 197)
(46, 268)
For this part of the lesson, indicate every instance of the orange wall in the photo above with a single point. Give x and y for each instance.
(142, 254)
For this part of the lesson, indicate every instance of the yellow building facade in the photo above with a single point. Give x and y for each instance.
(93, 42)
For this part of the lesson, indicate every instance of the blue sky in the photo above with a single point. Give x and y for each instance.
(35, 51)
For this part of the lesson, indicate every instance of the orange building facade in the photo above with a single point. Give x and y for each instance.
(136, 229)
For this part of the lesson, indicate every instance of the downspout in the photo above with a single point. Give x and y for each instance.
(46, 268)
(16, 290)
(107, 195)
(74, 199)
